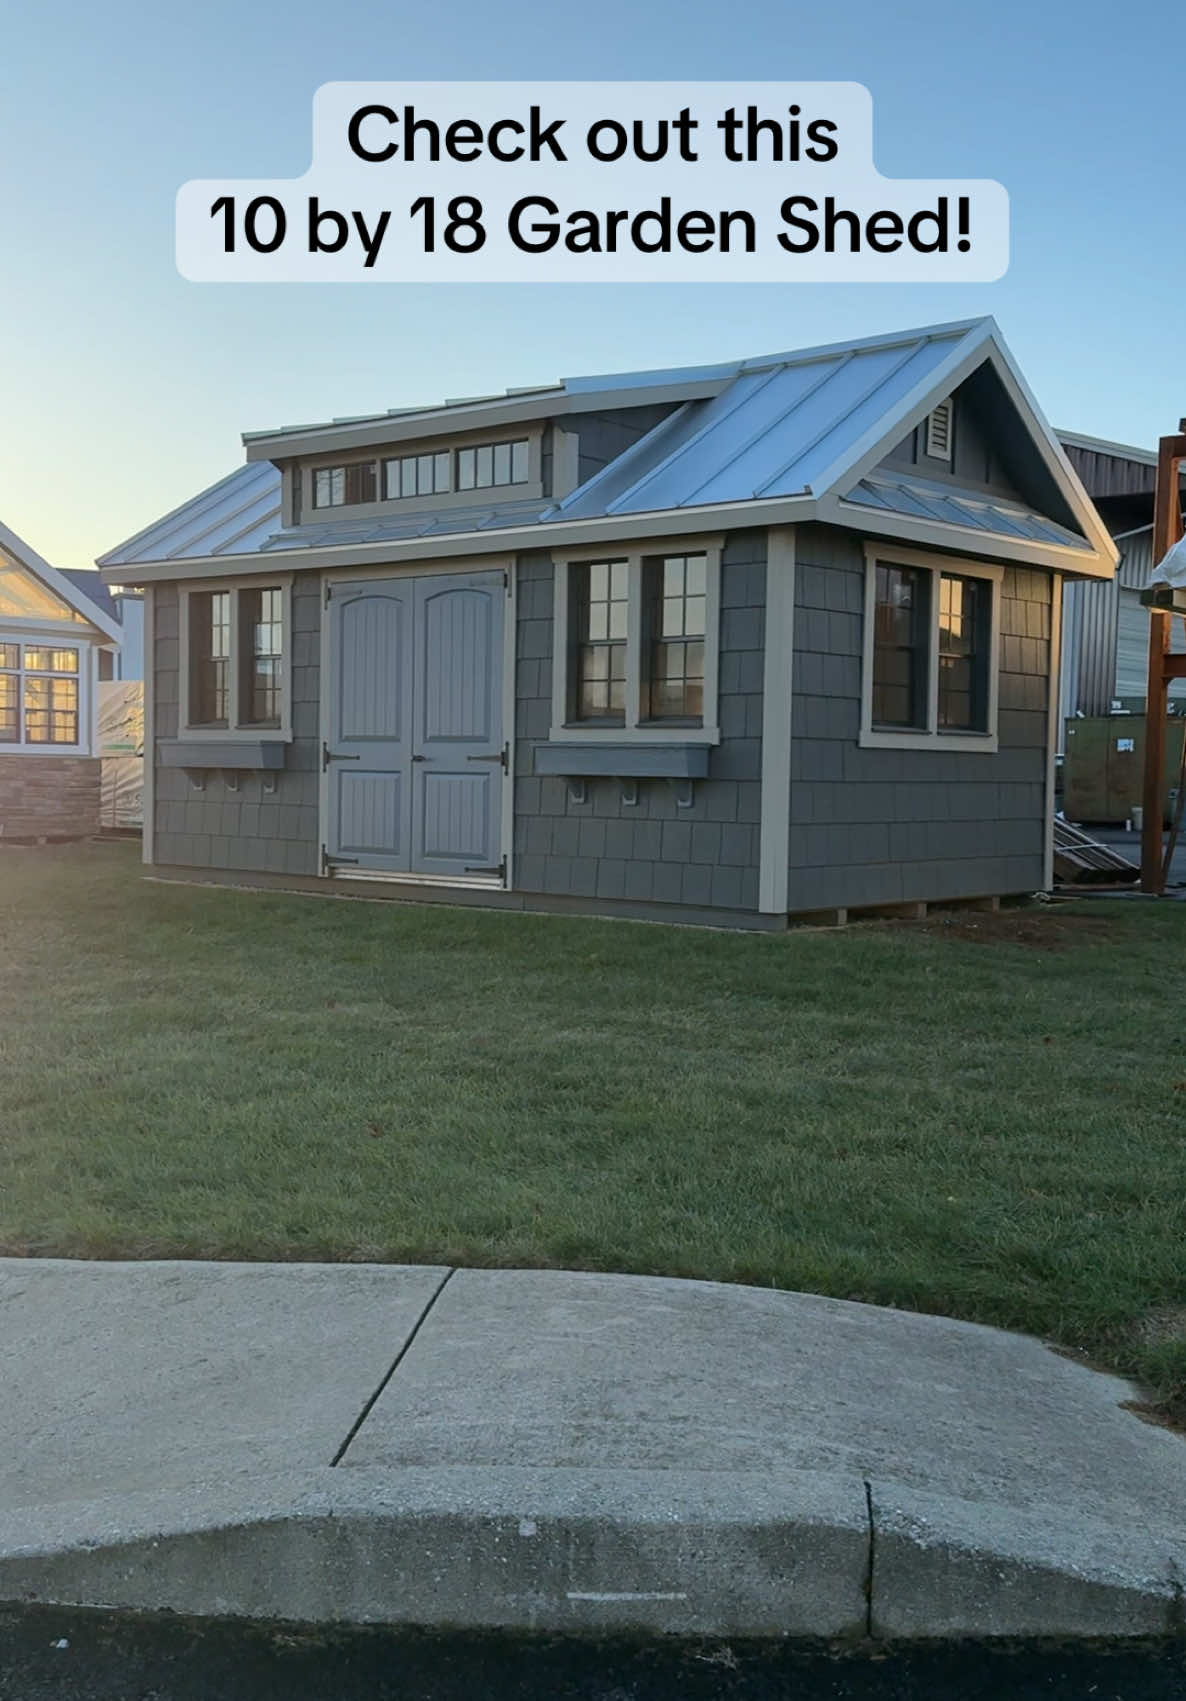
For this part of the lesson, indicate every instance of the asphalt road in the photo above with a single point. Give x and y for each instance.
(51, 1654)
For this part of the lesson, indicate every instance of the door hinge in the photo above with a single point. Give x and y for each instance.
(329, 591)
(328, 861)
(501, 870)
(502, 757)
(328, 756)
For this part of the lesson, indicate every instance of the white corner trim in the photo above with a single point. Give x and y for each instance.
(774, 835)
(1055, 684)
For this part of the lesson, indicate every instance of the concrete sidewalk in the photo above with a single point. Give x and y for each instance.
(549, 1451)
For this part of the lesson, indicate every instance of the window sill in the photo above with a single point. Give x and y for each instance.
(625, 758)
(970, 743)
(221, 751)
(7, 749)
(623, 736)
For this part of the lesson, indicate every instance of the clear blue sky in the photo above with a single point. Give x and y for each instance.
(124, 388)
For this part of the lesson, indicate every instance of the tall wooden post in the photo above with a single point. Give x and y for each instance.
(1167, 529)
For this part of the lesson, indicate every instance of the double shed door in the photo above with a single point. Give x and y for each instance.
(414, 747)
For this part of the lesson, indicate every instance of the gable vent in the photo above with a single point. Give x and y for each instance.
(939, 431)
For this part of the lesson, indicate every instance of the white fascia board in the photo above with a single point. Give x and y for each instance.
(59, 584)
(440, 422)
(555, 535)
(962, 540)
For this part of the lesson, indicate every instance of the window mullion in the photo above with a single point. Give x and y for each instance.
(633, 640)
(233, 653)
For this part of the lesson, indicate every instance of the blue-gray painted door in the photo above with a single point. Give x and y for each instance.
(369, 737)
(415, 734)
(457, 779)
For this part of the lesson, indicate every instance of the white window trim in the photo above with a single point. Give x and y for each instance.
(915, 738)
(233, 732)
(61, 636)
(633, 731)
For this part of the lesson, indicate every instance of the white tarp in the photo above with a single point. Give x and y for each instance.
(121, 747)
(1171, 569)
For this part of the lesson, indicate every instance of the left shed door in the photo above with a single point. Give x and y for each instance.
(369, 744)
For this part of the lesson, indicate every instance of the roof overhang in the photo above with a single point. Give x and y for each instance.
(105, 625)
(370, 432)
(981, 344)
(557, 535)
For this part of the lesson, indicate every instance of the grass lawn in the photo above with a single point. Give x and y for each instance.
(952, 1118)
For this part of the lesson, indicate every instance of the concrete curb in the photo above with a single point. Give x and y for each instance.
(580, 1552)
(566, 1452)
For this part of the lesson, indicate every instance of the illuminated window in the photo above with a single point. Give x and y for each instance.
(39, 694)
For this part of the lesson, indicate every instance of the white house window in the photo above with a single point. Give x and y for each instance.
(638, 639)
(492, 464)
(931, 666)
(235, 659)
(39, 694)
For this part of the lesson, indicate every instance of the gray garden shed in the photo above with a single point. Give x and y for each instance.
(723, 643)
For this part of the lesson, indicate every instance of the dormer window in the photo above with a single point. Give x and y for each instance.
(492, 464)
(343, 487)
(939, 431)
(414, 477)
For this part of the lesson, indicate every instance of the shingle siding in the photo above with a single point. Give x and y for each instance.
(888, 826)
(251, 829)
(652, 851)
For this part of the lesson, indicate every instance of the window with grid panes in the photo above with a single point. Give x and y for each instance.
(209, 658)
(416, 475)
(339, 487)
(492, 464)
(261, 656)
(901, 655)
(964, 626)
(599, 611)
(674, 604)
(50, 695)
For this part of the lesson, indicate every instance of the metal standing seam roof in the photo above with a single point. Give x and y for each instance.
(781, 426)
(236, 516)
(774, 431)
(926, 499)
